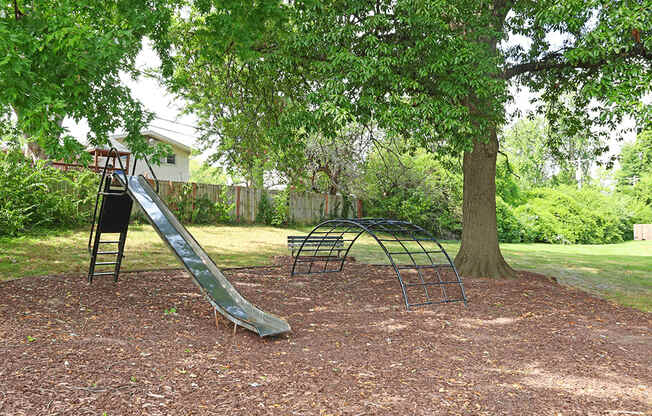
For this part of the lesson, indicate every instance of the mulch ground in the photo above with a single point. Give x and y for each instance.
(526, 346)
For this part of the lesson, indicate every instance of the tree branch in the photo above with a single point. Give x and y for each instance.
(17, 13)
(509, 167)
(554, 61)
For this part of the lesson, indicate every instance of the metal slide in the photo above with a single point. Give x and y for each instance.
(219, 291)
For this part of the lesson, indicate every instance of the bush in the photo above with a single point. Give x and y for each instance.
(41, 196)
(510, 229)
(550, 220)
(566, 215)
(265, 213)
(209, 212)
(281, 215)
(203, 211)
(506, 187)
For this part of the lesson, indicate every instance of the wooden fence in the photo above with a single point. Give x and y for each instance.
(304, 207)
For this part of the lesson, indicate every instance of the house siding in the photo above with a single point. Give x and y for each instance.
(180, 171)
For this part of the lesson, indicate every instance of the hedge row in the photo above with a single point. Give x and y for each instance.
(566, 215)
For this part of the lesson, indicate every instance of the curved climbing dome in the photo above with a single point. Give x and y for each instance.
(424, 270)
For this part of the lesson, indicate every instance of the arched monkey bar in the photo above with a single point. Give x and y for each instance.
(420, 262)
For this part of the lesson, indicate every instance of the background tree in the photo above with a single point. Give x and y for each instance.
(334, 164)
(437, 72)
(414, 185)
(64, 59)
(635, 160)
(240, 100)
(635, 174)
(201, 172)
(539, 157)
(525, 143)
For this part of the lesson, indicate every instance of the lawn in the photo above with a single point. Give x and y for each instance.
(619, 272)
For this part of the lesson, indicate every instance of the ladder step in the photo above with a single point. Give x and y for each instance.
(312, 259)
(431, 283)
(108, 242)
(103, 274)
(416, 252)
(409, 240)
(108, 252)
(436, 302)
(424, 266)
(105, 263)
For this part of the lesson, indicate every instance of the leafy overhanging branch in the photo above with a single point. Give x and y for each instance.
(556, 62)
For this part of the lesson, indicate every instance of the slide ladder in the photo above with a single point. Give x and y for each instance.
(114, 213)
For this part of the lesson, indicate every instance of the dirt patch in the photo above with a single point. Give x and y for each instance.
(149, 345)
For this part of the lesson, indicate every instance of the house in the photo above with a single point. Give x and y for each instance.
(175, 167)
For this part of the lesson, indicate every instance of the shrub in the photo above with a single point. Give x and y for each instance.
(180, 202)
(281, 214)
(265, 213)
(35, 195)
(209, 212)
(550, 220)
(506, 187)
(510, 229)
(566, 215)
(415, 187)
(203, 210)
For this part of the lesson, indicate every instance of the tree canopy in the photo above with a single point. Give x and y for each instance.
(265, 77)
(437, 72)
(64, 59)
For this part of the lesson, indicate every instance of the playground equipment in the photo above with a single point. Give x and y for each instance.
(116, 193)
(417, 257)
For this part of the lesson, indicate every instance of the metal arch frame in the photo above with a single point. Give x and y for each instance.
(400, 231)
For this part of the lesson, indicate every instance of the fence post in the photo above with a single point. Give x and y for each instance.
(194, 194)
(252, 208)
(237, 203)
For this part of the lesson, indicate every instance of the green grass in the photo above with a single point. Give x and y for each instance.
(619, 272)
(66, 251)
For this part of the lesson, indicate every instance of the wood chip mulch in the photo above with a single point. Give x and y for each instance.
(525, 346)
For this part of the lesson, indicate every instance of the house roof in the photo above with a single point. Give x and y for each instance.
(114, 143)
(158, 136)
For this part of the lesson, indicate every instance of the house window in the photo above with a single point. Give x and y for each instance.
(171, 159)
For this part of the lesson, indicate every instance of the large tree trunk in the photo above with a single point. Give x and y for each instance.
(480, 255)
